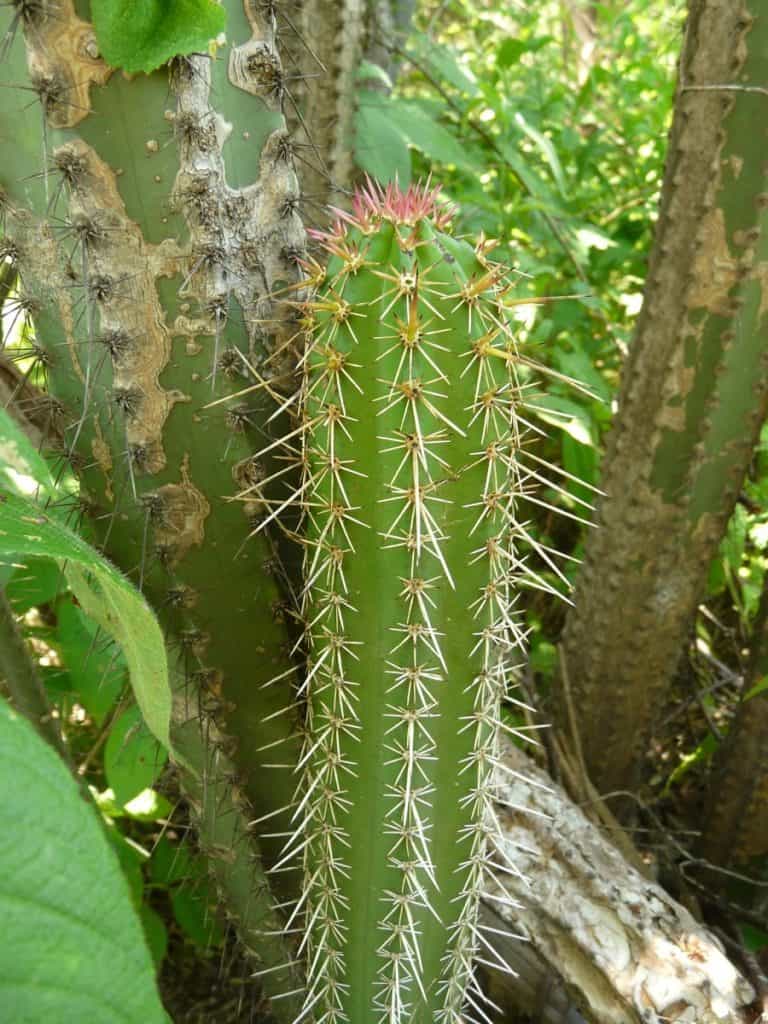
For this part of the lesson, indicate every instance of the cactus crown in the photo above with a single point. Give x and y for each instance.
(412, 476)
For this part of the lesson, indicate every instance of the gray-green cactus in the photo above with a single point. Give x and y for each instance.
(149, 220)
(412, 477)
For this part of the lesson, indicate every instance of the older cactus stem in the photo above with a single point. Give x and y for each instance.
(735, 829)
(342, 35)
(337, 32)
(694, 395)
(150, 246)
(411, 485)
(221, 814)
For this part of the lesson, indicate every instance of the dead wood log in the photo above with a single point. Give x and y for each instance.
(604, 944)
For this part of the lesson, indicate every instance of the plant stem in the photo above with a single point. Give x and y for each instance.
(23, 680)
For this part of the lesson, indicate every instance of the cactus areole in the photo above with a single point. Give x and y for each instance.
(411, 466)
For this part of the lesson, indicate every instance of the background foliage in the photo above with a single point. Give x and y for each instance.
(561, 161)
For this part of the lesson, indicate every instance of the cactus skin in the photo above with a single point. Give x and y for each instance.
(734, 830)
(694, 396)
(149, 219)
(411, 482)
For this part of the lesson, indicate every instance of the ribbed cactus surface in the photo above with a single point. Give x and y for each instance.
(411, 481)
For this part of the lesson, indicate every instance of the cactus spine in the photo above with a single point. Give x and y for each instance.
(411, 481)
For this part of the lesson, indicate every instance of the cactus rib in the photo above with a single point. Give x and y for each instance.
(411, 484)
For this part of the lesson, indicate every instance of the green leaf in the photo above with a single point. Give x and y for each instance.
(703, 752)
(148, 805)
(193, 910)
(536, 188)
(546, 149)
(174, 862)
(566, 415)
(510, 52)
(424, 133)
(543, 658)
(73, 948)
(380, 148)
(368, 72)
(133, 758)
(443, 62)
(734, 542)
(155, 933)
(582, 462)
(591, 238)
(22, 468)
(130, 859)
(576, 364)
(760, 687)
(106, 596)
(755, 939)
(140, 35)
(37, 582)
(95, 661)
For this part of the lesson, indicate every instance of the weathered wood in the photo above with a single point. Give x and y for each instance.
(620, 947)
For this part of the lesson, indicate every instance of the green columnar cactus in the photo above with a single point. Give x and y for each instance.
(734, 831)
(411, 485)
(694, 396)
(149, 219)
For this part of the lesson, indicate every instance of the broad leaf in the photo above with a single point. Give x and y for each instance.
(105, 595)
(380, 148)
(569, 416)
(73, 947)
(140, 35)
(427, 135)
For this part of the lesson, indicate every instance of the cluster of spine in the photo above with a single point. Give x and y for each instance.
(411, 484)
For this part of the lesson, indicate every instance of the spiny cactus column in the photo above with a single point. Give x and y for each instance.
(150, 219)
(694, 396)
(735, 827)
(411, 486)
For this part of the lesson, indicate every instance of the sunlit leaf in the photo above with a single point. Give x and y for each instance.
(73, 947)
(140, 35)
(104, 594)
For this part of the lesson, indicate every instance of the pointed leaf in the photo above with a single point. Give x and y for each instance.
(105, 595)
(73, 947)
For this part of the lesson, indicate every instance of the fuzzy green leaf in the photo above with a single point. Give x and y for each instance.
(106, 596)
(73, 948)
(140, 35)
